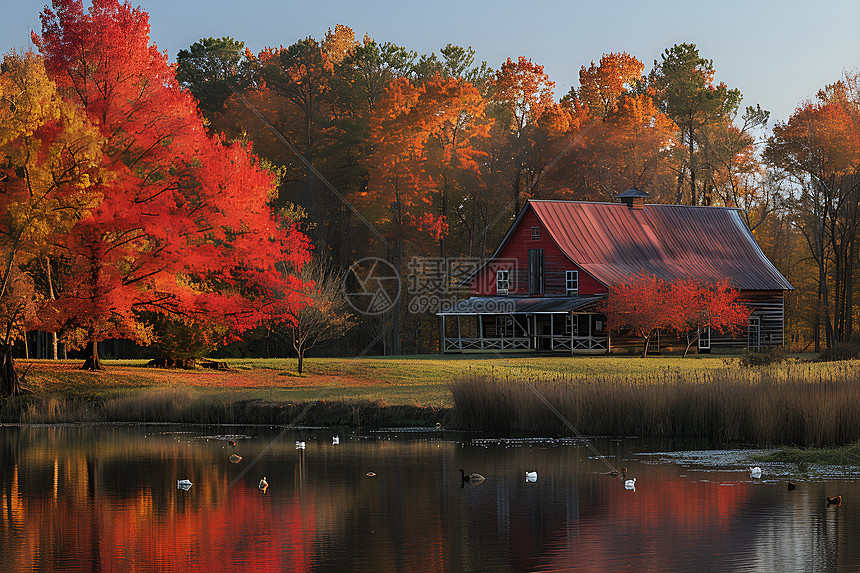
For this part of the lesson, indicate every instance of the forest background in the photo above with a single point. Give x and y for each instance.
(374, 150)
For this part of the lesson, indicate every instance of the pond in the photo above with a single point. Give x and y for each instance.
(105, 498)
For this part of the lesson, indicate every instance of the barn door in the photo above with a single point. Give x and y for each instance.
(754, 334)
(705, 339)
(535, 271)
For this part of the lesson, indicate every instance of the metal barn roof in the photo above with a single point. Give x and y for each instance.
(674, 242)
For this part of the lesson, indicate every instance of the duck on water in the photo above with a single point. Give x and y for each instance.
(472, 478)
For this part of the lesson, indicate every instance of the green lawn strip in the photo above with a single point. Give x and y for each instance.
(430, 369)
(832, 456)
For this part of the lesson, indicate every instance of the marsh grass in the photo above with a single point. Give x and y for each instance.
(191, 405)
(787, 404)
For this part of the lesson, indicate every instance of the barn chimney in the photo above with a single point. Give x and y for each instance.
(633, 198)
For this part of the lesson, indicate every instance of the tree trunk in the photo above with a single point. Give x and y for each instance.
(301, 360)
(10, 384)
(691, 340)
(693, 191)
(51, 294)
(93, 362)
(395, 335)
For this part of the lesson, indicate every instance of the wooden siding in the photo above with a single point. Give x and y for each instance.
(767, 306)
(515, 255)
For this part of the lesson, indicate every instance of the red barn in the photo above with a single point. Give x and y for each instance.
(540, 289)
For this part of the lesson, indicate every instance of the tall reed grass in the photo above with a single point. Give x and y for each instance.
(189, 405)
(788, 404)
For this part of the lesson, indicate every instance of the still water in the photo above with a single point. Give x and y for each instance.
(105, 498)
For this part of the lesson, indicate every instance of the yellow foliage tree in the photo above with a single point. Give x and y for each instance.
(49, 157)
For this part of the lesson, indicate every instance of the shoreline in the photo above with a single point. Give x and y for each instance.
(185, 406)
(791, 403)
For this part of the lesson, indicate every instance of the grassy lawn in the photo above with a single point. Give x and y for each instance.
(793, 402)
(401, 380)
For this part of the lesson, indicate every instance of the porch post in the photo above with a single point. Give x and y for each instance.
(590, 340)
(442, 335)
(552, 332)
(480, 329)
(459, 334)
(572, 330)
(532, 323)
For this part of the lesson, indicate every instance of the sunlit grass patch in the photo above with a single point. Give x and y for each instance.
(835, 456)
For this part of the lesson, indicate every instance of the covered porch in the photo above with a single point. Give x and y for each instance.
(506, 324)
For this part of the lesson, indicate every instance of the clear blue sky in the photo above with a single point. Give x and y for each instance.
(778, 52)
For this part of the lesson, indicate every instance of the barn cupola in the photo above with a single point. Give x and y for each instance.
(633, 198)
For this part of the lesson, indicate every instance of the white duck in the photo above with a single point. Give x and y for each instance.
(755, 472)
(335, 440)
(183, 484)
(300, 445)
(531, 477)
(630, 484)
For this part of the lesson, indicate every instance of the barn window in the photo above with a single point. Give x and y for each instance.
(571, 282)
(503, 282)
(535, 233)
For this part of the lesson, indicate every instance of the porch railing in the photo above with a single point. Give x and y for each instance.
(460, 344)
(589, 343)
(557, 343)
(565, 343)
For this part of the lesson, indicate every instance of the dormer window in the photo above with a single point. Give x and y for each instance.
(535, 233)
(503, 281)
(571, 283)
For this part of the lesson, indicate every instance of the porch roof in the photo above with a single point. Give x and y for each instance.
(521, 305)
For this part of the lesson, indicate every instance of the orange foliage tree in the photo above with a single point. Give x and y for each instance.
(523, 93)
(601, 85)
(454, 142)
(819, 147)
(619, 139)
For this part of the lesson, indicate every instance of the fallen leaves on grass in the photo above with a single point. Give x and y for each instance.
(53, 375)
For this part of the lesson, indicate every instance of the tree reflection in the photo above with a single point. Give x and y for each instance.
(105, 498)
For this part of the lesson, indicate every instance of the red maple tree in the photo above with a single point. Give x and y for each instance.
(647, 303)
(183, 226)
(700, 307)
(643, 305)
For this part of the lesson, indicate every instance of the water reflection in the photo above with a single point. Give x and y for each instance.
(105, 498)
